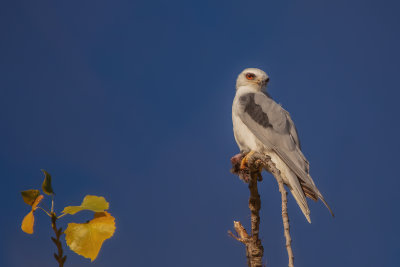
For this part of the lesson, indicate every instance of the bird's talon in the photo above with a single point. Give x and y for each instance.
(243, 163)
(245, 160)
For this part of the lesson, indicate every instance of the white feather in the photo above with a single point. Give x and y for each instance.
(248, 141)
(245, 139)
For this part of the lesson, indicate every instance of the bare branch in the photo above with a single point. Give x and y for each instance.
(254, 248)
(251, 174)
(285, 220)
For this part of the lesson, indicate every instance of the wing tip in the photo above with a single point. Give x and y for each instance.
(326, 205)
(308, 218)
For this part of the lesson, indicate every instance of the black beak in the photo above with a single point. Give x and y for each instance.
(265, 82)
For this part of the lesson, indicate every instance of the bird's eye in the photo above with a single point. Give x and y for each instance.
(250, 76)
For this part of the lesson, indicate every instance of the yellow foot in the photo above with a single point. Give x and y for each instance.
(245, 160)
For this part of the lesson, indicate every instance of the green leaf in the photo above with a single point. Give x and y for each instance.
(87, 238)
(93, 203)
(29, 196)
(46, 186)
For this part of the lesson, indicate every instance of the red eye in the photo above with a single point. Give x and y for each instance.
(250, 76)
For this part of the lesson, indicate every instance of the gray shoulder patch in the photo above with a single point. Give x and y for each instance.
(255, 111)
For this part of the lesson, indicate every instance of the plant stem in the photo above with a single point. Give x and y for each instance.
(52, 203)
(62, 215)
(58, 232)
(38, 207)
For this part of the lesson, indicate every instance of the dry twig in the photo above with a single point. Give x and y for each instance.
(285, 220)
(252, 174)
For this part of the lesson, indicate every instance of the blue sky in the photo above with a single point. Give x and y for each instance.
(131, 100)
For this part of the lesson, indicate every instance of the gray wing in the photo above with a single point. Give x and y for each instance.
(293, 130)
(270, 124)
(273, 126)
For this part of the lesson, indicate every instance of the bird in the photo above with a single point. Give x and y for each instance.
(262, 125)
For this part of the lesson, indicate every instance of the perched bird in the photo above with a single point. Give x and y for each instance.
(261, 125)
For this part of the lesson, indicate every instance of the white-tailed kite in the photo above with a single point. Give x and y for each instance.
(262, 125)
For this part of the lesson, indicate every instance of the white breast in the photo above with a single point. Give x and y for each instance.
(245, 139)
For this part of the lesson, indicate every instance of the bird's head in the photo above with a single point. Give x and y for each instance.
(254, 78)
